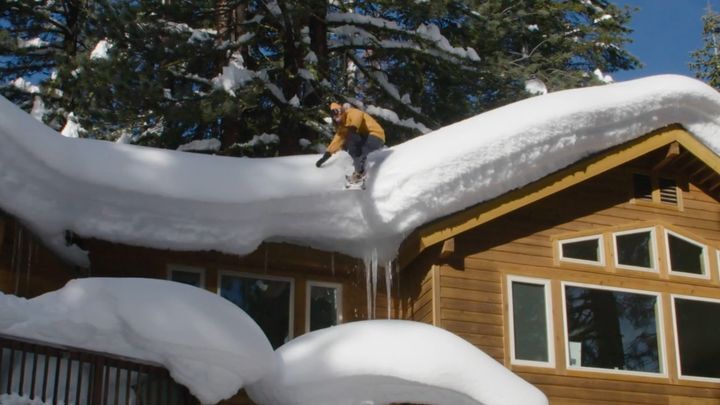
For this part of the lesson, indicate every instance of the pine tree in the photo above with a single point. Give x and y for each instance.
(39, 41)
(257, 75)
(706, 61)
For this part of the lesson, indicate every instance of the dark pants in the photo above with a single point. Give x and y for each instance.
(359, 146)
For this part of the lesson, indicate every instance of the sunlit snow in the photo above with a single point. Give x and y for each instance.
(389, 361)
(175, 200)
(206, 342)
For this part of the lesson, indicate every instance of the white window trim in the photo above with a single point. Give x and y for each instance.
(677, 342)
(658, 322)
(653, 250)
(339, 298)
(188, 269)
(706, 261)
(548, 319)
(291, 314)
(601, 250)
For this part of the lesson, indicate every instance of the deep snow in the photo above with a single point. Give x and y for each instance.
(215, 349)
(182, 201)
(389, 361)
(206, 342)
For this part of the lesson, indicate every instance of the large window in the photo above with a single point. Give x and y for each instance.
(686, 257)
(697, 326)
(612, 329)
(268, 300)
(531, 322)
(323, 305)
(635, 249)
(587, 249)
(194, 276)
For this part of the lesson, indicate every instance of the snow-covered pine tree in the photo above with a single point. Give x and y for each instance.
(256, 76)
(706, 61)
(39, 41)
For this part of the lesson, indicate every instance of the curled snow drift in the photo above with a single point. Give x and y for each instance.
(206, 342)
(389, 361)
(180, 201)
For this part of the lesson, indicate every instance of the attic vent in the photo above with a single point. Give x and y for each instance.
(668, 191)
(642, 187)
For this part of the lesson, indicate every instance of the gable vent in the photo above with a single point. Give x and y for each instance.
(642, 187)
(668, 191)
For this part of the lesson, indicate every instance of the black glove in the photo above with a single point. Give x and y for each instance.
(322, 160)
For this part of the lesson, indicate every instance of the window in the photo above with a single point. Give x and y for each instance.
(685, 256)
(323, 306)
(697, 326)
(612, 329)
(531, 322)
(194, 276)
(635, 249)
(583, 250)
(268, 300)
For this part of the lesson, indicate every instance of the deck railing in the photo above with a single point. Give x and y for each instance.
(55, 374)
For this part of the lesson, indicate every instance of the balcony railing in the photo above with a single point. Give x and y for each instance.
(61, 375)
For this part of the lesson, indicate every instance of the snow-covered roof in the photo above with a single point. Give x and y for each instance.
(389, 361)
(206, 342)
(182, 201)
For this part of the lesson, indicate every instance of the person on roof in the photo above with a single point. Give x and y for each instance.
(358, 133)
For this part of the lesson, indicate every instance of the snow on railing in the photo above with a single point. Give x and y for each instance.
(53, 374)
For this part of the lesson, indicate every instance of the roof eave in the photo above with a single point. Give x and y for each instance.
(452, 225)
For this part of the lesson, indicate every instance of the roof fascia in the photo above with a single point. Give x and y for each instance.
(462, 221)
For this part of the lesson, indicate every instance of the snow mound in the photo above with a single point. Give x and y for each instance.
(389, 361)
(206, 342)
(173, 200)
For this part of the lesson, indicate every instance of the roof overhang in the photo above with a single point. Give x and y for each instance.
(452, 225)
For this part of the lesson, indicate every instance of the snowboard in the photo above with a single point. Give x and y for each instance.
(355, 185)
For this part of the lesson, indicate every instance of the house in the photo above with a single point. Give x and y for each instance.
(574, 237)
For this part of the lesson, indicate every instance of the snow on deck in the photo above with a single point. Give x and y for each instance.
(389, 361)
(206, 342)
(169, 199)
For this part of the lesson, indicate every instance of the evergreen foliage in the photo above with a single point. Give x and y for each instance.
(257, 75)
(706, 61)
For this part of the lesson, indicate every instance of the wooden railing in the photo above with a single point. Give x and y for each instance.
(63, 375)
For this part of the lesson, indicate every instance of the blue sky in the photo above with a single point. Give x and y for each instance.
(666, 31)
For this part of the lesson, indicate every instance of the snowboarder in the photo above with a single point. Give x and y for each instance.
(358, 133)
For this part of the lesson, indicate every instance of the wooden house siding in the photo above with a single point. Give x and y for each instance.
(27, 267)
(300, 264)
(473, 298)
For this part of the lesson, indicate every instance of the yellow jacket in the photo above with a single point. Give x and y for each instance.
(364, 125)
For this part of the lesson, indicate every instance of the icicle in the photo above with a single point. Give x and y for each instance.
(29, 264)
(265, 261)
(374, 269)
(388, 286)
(17, 259)
(368, 288)
(371, 264)
(332, 263)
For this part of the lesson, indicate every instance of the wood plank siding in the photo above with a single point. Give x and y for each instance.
(27, 267)
(473, 301)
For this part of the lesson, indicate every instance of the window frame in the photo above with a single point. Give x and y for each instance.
(601, 247)
(706, 256)
(326, 284)
(550, 324)
(659, 322)
(291, 280)
(680, 375)
(188, 269)
(653, 250)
